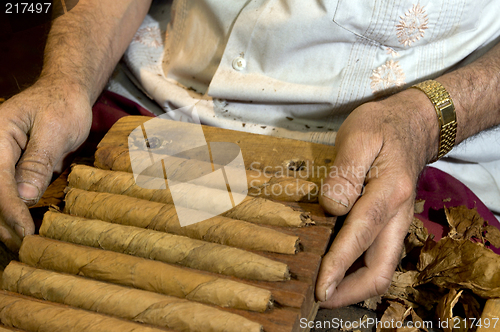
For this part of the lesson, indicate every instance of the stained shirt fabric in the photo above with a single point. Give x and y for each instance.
(296, 69)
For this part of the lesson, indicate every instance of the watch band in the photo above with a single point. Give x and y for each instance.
(445, 110)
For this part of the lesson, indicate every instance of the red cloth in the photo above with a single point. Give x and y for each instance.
(108, 109)
(440, 189)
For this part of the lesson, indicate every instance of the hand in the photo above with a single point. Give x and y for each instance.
(38, 127)
(381, 149)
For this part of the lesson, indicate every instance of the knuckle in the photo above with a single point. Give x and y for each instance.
(35, 169)
(405, 188)
(381, 284)
(336, 262)
(378, 212)
(363, 238)
(403, 191)
(345, 180)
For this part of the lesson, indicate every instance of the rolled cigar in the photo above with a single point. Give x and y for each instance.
(4, 328)
(253, 209)
(36, 316)
(163, 217)
(124, 302)
(142, 273)
(168, 248)
(117, 158)
(285, 188)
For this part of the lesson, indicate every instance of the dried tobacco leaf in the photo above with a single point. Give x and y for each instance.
(464, 223)
(401, 281)
(372, 303)
(396, 312)
(470, 305)
(460, 264)
(395, 318)
(419, 206)
(468, 224)
(426, 255)
(416, 237)
(445, 307)
(402, 288)
(492, 235)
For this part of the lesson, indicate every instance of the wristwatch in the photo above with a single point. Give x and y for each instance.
(445, 111)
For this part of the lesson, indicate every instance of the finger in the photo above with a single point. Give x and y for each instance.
(34, 170)
(346, 178)
(381, 260)
(9, 237)
(14, 214)
(380, 203)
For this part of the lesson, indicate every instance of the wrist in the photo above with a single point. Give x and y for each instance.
(445, 112)
(66, 85)
(422, 124)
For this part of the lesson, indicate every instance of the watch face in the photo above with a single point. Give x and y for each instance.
(447, 111)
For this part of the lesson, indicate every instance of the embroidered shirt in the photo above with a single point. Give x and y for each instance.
(296, 68)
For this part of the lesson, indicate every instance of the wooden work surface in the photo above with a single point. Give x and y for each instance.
(294, 298)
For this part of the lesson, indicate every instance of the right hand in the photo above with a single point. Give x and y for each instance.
(38, 128)
(381, 147)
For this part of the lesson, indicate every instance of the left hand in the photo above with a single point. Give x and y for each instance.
(382, 146)
(38, 128)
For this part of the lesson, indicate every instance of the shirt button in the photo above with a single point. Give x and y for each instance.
(239, 63)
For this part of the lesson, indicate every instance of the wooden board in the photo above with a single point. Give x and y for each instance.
(294, 298)
(259, 152)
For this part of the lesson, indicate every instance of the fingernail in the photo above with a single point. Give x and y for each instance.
(329, 290)
(27, 191)
(335, 200)
(19, 230)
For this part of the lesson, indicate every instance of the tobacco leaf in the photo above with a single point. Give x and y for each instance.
(460, 264)
(492, 235)
(401, 281)
(468, 224)
(470, 305)
(445, 307)
(402, 287)
(395, 316)
(416, 237)
(372, 303)
(419, 206)
(452, 323)
(426, 255)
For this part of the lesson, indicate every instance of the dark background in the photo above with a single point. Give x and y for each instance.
(22, 41)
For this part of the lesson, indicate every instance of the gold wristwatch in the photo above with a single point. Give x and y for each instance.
(445, 111)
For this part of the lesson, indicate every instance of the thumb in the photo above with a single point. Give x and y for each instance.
(345, 181)
(35, 167)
